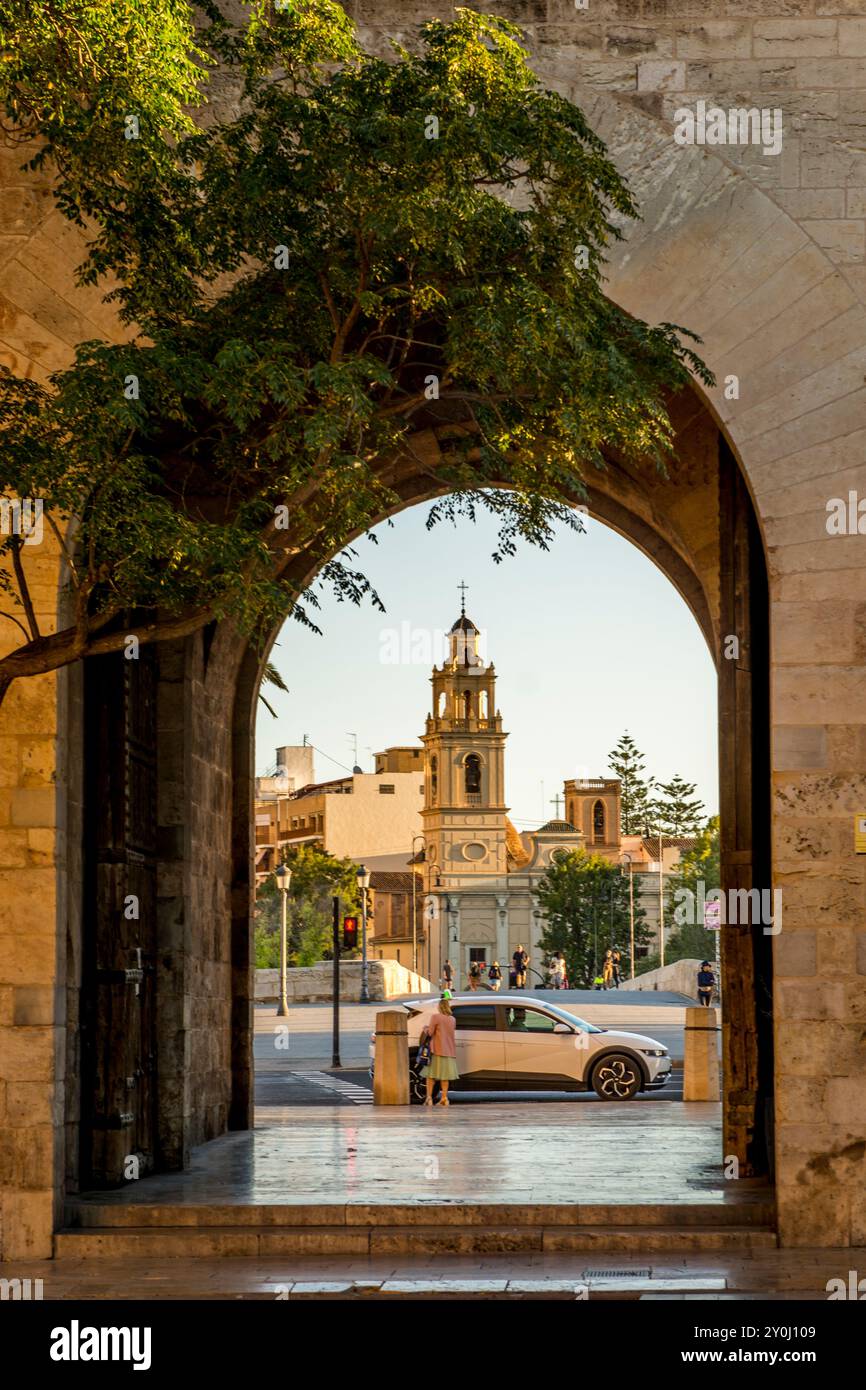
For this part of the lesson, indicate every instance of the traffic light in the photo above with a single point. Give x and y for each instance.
(350, 933)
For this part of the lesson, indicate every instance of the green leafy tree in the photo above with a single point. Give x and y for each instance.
(676, 810)
(380, 276)
(697, 872)
(317, 877)
(585, 902)
(627, 763)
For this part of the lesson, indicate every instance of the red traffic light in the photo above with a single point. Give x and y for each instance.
(350, 933)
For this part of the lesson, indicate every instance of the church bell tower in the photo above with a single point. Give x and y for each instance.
(464, 744)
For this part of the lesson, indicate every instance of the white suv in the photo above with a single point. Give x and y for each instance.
(516, 1043)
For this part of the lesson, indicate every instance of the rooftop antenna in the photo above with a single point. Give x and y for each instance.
(354, 738)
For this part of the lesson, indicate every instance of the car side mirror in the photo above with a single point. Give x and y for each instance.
(562, 1028)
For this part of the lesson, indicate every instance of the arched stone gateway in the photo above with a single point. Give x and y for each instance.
(764, 257)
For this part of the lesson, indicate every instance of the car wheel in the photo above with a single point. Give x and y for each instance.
(418, 1088)
(616, 1077)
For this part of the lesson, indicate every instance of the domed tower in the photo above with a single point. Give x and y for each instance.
(464, 793)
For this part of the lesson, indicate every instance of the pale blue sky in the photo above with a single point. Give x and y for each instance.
(588, 639)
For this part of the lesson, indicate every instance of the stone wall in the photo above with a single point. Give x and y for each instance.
(310, 984)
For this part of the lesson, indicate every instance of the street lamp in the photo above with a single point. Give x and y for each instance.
(434, 916)
(284, 878)
(423, 838)
(661, 896)
(625, 856)
(363, 877)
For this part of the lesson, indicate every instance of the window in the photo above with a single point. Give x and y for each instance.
(598, 832)
(386, 789)
(473, 774)
(467, 704)
(434, 778)
(478, 1016)
(519, 1020)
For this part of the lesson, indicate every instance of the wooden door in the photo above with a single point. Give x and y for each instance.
(118, 1005)
(744, 774)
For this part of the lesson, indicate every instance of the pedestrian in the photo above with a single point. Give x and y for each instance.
(441, 1033)
(607, 969)
(559, 970)
(448, 974)
(617, 964)
(598, 982)
(494, 975)
(520, 960)
(474, 973)
(706, 983)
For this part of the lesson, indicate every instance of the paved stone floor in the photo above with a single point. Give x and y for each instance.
(778, 1274)
(526, 1152)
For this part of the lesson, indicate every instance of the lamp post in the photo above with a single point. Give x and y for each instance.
(435, 917)
(423, 838)
(625, 856)
(284, 877)
(661, 895)
(363, 877)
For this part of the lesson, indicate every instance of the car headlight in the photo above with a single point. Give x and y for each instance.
(654, 1051)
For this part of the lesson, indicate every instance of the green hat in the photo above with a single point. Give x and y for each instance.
(446, 994)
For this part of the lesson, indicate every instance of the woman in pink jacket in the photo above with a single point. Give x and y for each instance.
(441, 1032)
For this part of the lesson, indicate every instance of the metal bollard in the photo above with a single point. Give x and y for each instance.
(701, 1069)
(391, 1069)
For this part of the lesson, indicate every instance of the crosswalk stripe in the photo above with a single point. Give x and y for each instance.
(359, 1095)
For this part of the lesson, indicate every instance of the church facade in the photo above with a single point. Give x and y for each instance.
(482, 876)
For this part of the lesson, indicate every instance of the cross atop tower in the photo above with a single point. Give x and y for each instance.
(462, 587)
(555, 803)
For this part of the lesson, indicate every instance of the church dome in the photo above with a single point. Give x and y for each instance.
(464, 624)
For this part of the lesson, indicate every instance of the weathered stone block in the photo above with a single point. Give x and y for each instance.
(807, 38)
(35, 1005)
(811, 1001)
(34, 806)
(661, 76)
(714, 39)
(852, 38)
(803, 747)
(27, 1054)
(795, 953)
(27, 1224)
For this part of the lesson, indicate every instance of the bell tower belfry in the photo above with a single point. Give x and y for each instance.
(464, 757)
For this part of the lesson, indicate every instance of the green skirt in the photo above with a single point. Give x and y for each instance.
(441, 1069)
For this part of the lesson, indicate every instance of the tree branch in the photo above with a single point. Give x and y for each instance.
(15, 546)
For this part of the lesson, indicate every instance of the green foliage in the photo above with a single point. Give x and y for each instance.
(316, 878)
(626, 762)
(307, 286)
(676, 810)
(701, 864)
(698, 869)
(272, 676)
(585, 902)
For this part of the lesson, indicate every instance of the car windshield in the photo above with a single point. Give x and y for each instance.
(571, 1018)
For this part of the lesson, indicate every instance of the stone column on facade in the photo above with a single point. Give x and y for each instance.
(535, 931)
(503, 955)
(452, 935)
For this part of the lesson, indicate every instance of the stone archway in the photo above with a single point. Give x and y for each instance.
(754, 258)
